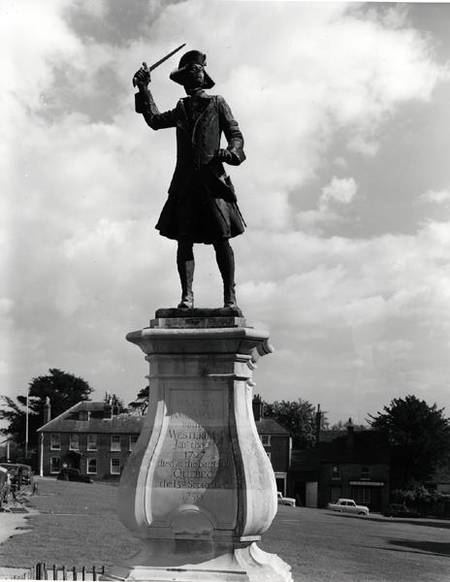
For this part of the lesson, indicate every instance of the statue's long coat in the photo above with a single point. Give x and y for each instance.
(201, 205)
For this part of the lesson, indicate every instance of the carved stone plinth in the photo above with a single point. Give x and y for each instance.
(199, 489)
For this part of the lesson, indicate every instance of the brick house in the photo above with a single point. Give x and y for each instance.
(97, 438)
(94, 437)
(277, 443)
(354, 465)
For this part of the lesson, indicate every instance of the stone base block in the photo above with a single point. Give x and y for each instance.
(248, 564)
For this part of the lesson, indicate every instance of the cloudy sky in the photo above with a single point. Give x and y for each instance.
(346, 191)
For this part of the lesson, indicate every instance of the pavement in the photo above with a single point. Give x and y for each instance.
(14, 521)
(13, 517)
(9, 522)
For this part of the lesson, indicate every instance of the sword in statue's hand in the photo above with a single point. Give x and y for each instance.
(148, 69)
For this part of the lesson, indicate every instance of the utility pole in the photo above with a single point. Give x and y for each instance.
(26, 425)
(41, 455)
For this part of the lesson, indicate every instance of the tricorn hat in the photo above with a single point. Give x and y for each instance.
(189, 58)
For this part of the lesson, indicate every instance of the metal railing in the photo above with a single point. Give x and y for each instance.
(54, 572)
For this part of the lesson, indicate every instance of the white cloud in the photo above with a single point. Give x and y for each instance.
(362, 318)
(82, 195)
(365, 145)
(96, 8)
(335, 196)
(436, 196)
(341, 190)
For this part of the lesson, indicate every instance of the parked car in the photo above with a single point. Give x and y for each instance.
(285, 500)
(19, 471)
(400, 510)
(69, 474)
(3, 486)
(348, 506)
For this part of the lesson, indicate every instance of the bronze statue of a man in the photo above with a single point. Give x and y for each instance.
(201, 206)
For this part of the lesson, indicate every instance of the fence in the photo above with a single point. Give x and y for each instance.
(62, 573)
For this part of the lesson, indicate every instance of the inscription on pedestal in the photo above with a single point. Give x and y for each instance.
(194, 464)
(196, 453)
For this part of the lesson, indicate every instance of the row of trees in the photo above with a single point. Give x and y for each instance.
(418, 434)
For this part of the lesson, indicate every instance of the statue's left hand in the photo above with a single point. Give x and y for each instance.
(225, 156)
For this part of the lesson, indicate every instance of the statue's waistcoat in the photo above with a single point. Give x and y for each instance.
(203, 130)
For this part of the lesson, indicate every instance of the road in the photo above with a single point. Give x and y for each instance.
(325, 546)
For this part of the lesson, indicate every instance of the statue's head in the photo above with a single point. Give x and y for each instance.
(191, 72)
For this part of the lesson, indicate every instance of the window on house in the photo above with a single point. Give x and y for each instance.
(91, 442)
(115, 442)
(74, 442)
(55, 442)
(132, 441)
(335, 472)
(364, 472)
(92, 466)
(265, 439)
(115, 466)
(55, 464)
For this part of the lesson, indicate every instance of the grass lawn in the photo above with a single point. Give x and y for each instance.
(77, 526)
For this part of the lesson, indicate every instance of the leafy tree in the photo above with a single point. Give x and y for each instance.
(298, 417)
(341, 425)
(419, 436)
(140, 404)
(63, 389)
(115, 401)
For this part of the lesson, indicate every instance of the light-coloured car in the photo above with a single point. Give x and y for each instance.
(285, 500)
(348, 506)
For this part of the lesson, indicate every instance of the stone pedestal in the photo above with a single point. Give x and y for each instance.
(199, 489)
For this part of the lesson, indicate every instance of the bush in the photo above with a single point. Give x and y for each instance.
(427, 501)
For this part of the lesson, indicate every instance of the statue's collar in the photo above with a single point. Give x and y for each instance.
(199, 93)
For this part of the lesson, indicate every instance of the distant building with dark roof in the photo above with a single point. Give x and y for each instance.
(355, 465)
(97, 437)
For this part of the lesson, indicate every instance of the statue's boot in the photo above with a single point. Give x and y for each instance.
(225, 262)
(229, 295)
(185, 266)
(186, 273)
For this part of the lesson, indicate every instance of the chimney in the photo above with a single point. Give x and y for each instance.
(350, 434)
(257, 405)
(47, 410)
(318, 423)
(108, 406)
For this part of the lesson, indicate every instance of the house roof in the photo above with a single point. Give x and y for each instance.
(271, 427)
(365, 447)
(305, 460)
(69, 421)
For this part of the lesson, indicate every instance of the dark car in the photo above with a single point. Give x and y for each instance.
(69, 474)
(400, 510)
